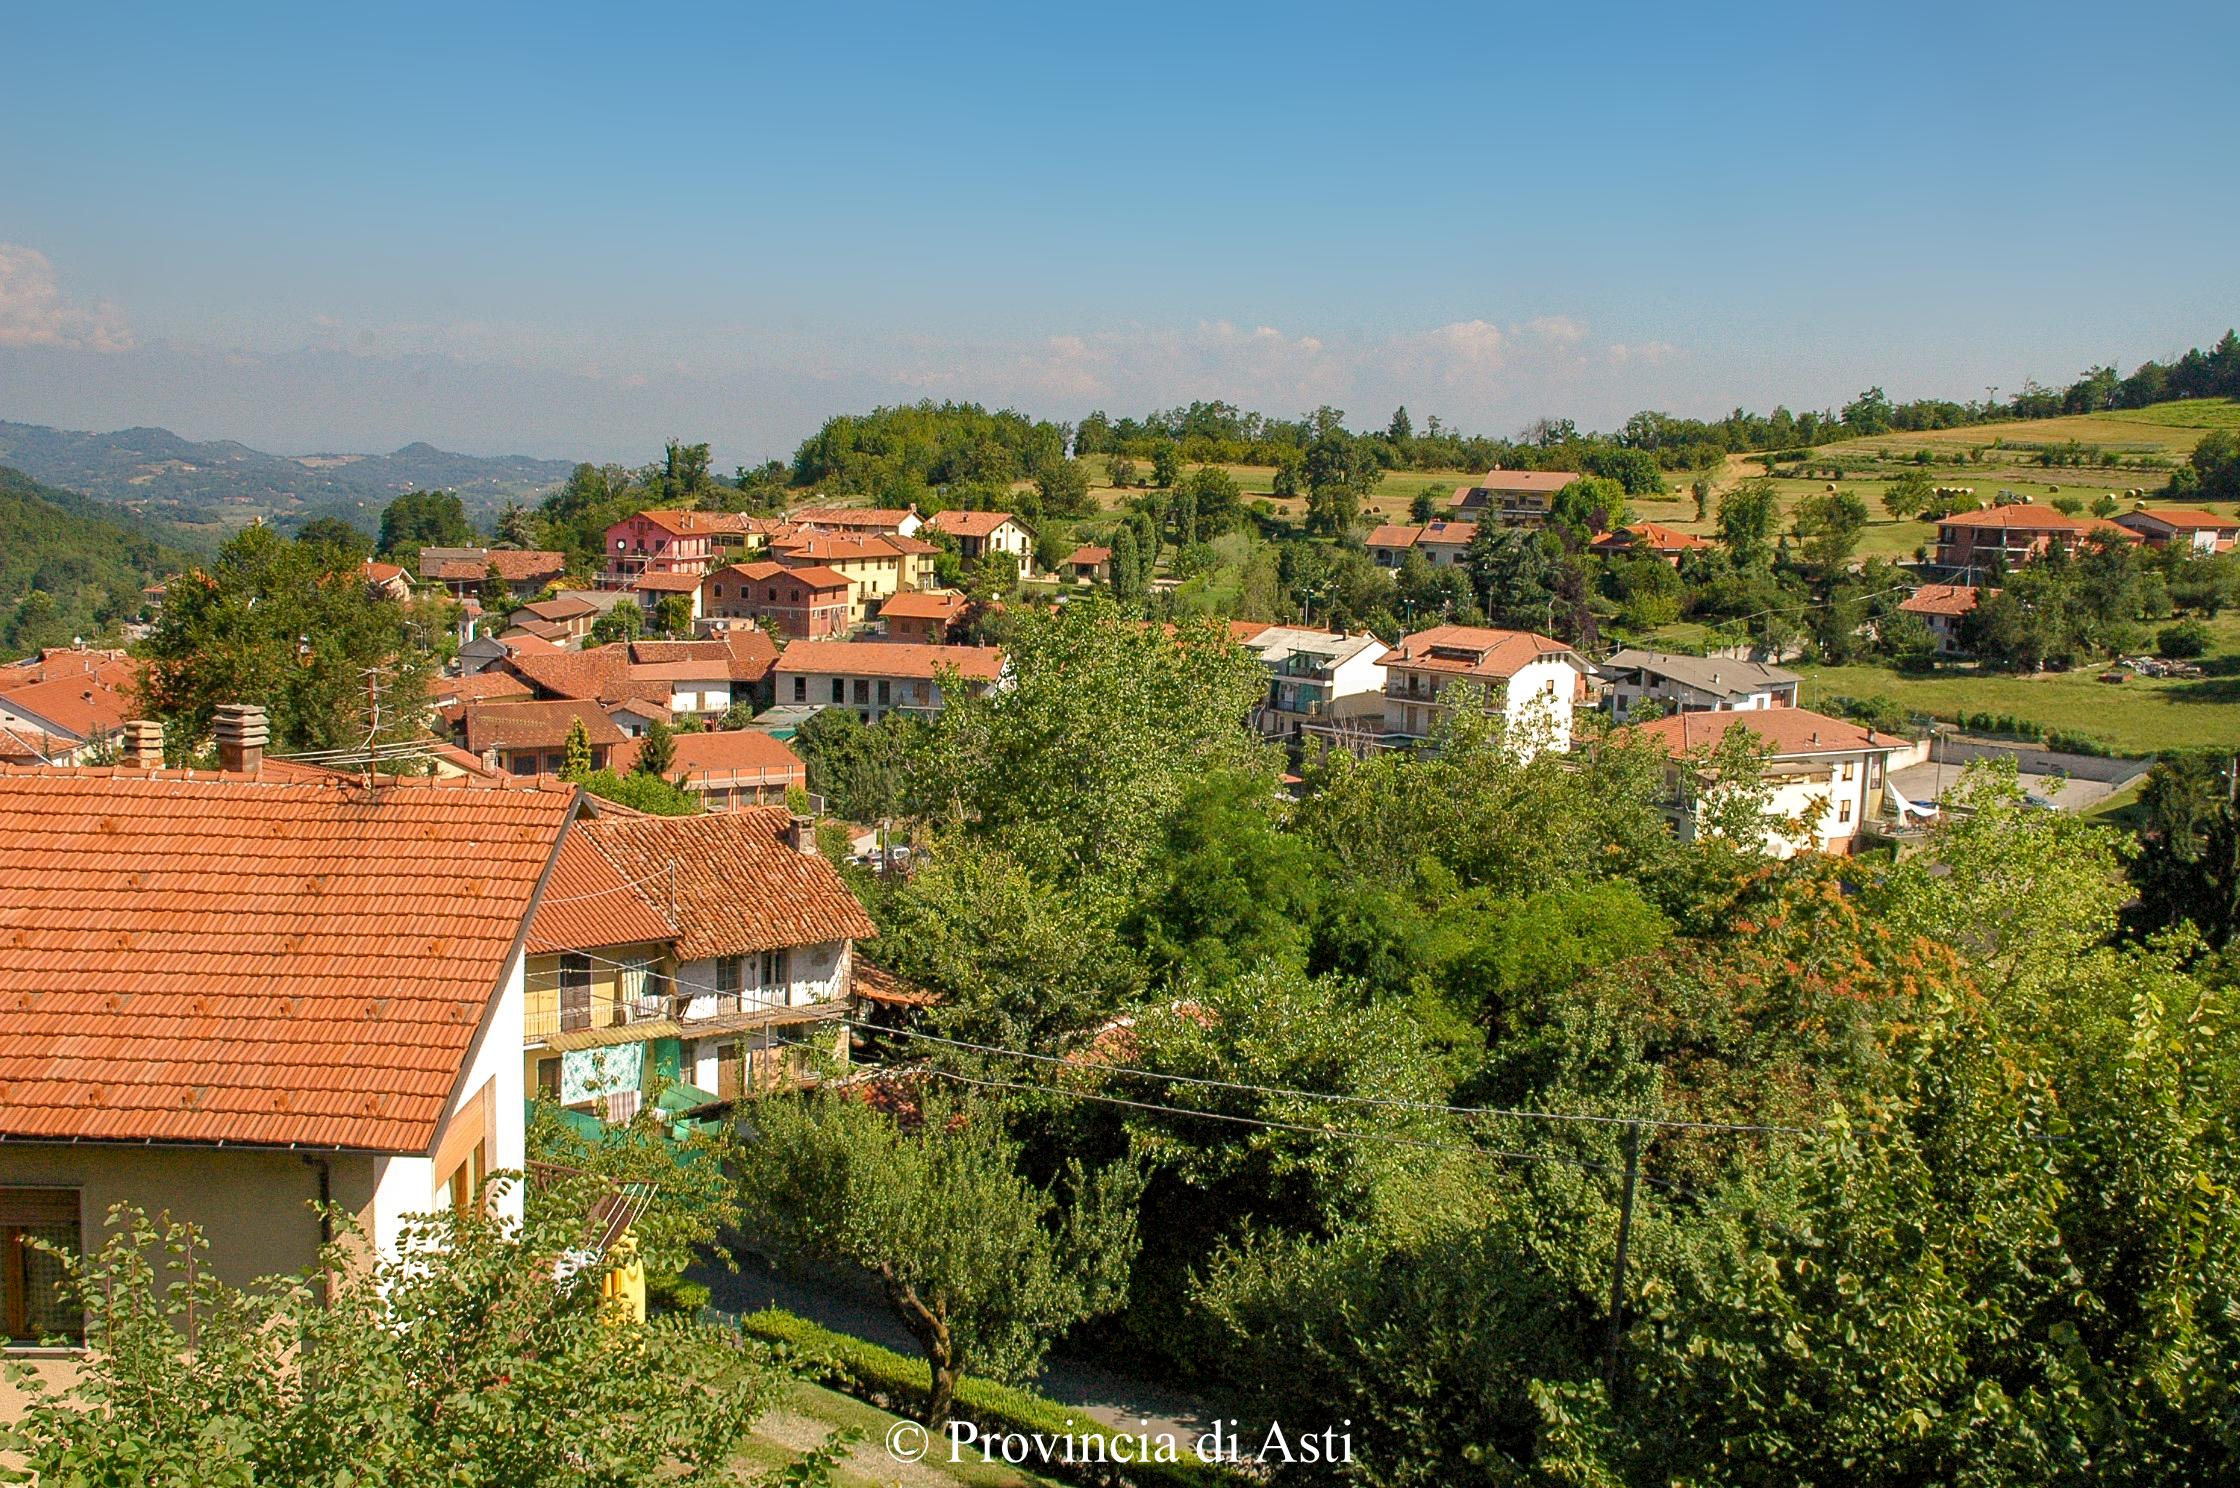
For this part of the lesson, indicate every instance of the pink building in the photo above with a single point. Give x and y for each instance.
(677, 542)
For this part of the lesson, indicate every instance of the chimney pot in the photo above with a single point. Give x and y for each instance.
(241, 738)
(802, 833)
(143, 744)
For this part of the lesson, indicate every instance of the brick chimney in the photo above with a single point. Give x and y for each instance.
(142, 746)
(241, 738)
(803, 835)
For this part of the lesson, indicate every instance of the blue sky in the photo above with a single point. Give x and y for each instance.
(577, 229)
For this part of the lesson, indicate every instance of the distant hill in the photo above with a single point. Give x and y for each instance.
(86, 564)
(220, 485)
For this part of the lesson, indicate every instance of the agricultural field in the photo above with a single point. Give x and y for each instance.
(2138, 716)
(2165, 431)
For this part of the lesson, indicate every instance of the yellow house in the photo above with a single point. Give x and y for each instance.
(600, 973)
(704, 951)
(879, 565)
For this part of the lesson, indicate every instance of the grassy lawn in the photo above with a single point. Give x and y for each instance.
(812, 1413)
(2138, 716)
(2169, 430)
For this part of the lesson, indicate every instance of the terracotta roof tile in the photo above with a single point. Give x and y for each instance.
(928, 604)
(1786, 731)
(82, 703)
(890, 659)
(588, 904)
(216, 959)
(1474, 651)
(970, 523)
(504, 724)
(713, 754)
(1942, 599)
(739, 886)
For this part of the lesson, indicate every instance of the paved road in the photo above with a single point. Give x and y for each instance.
(847, 1304)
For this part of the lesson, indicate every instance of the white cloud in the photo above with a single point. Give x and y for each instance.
(34, 311)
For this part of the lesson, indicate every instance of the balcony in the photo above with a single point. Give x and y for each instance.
(587, 1009)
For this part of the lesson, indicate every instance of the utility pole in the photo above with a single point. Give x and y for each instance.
(1618, 1264)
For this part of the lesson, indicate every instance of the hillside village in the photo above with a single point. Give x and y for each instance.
(511, 875)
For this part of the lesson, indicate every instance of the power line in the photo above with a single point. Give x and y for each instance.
(1367, 1100)
(1334, 1133)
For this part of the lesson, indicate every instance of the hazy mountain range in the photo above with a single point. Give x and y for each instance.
(220, 483)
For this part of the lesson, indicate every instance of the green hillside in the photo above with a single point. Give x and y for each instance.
(67, 568)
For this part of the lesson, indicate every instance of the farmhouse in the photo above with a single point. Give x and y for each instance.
(2188, 527)
(979, 533)
(1649, 539)
(2012, 535)
(1942, 607)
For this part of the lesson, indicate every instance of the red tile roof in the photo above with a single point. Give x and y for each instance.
(514, 565)
(511, 725)
(829, 547)
(1088, 553)
(1941, 599)
(1473, 651)
(1540, 481)
(380, 573)
(213, 959)
(970, 523)
(928, 604)
(707, 757)
(1651, 535)
(1394, 535)
(1786, 731)
(2184, 518)
(815, 575)
(875, 518)
(479, 687)
(738, 885)
(85, 704)
(2024, 516)
(659, 582)
(588, 904)
(113, 667)
(890, 659)
(1448, 534)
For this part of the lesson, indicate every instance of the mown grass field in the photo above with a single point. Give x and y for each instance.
(2138, 716)
(2167, 430)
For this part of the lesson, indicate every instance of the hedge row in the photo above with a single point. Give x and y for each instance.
(895, 1382)
(1883, 712)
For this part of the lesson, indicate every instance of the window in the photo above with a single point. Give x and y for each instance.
(839, 690)
(30, 1308)
(1843, 811)
(863, 690)
(774, 969)
(801, 689)
(575, 990)
(729, 970)
(717, 589)
(548, 1078)
(885, 692)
